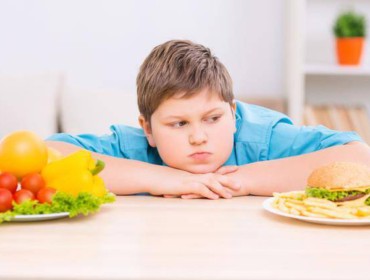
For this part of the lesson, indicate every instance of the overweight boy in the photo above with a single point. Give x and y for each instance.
(196, 141)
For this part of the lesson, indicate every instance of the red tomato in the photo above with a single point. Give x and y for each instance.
(23, 195)
(8, 181)
(46, 195)
(6, 199)
(33, 182)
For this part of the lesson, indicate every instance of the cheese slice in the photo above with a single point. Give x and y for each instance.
(361, 189)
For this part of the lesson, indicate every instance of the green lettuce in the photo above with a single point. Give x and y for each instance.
(84, 203)
(333, 196)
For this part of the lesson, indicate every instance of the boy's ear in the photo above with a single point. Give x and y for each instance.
(145, 125)
(233, 110)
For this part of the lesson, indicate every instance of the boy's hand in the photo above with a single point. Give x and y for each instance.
(226, 169)
(211, 185)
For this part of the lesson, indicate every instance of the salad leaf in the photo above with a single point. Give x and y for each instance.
(84, 203)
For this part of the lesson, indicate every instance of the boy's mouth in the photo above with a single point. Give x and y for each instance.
(200, 155)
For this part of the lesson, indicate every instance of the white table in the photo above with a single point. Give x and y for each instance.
(141, 237)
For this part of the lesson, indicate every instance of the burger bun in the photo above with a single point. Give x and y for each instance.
(340, 175)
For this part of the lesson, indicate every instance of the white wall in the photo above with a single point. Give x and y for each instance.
(101, 43)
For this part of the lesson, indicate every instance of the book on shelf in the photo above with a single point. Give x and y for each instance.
(309, 116)
(364, 117)
(344, 120)
(277, 104)
(339, 117)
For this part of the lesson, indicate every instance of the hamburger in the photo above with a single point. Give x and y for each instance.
(345, 183)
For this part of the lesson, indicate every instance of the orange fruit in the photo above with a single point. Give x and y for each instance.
(22, 152)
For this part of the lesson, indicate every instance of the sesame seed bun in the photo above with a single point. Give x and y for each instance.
(340, 175)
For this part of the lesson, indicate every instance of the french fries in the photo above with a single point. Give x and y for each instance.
(297, 203)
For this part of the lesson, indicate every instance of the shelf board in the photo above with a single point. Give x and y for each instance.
(327, 69)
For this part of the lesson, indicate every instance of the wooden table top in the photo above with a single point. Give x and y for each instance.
(143, 237)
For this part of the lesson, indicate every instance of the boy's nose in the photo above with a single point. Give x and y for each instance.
(197, 136)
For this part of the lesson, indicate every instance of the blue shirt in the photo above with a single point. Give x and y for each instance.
(262, 134)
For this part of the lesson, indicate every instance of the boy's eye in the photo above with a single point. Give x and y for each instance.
(213, 119)
(179, 124)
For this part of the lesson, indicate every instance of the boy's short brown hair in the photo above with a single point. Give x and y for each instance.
(179, 66)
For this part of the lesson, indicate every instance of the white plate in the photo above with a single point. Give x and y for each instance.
(267, 205)
(39, 217)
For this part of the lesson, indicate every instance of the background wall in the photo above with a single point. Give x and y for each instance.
(101, 43)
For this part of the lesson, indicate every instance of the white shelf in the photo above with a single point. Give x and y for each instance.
(306, 41)
(322, 69)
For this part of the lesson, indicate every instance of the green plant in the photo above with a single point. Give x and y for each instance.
(350, 24)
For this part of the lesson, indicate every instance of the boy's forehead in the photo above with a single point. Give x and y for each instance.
(204, 93)
(196, 103)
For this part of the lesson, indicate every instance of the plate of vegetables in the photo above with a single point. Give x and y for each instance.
(62, 205)
(37, 183)
(39, 217)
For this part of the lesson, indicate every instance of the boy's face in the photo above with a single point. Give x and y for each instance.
(194, 134)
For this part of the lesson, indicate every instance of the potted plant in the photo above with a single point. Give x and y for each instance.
(350, 32)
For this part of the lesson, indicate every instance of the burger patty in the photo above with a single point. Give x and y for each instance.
(350, 197)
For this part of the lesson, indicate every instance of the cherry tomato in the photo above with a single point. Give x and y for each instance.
(46, 195)
(23, 195)
(8, 181)
(33, 182)
(6, 199)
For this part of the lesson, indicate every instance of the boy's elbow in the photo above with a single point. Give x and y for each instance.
(357, 143)
(360, 150)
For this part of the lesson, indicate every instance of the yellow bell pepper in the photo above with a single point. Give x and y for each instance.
(75, 173)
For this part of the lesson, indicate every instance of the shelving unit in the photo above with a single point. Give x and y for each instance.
(313, 75)
(324, 69)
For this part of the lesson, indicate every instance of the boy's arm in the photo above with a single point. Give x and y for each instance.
(291, 173)
(124, 176)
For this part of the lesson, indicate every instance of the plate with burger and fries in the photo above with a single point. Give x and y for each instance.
(336, 194)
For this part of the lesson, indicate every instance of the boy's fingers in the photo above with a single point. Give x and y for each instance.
(206, 192)
(216, 187)
(191, 196)
(170, 196)
(228, 182)
(227, 169)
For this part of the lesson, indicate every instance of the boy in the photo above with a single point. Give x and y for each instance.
(196, 141)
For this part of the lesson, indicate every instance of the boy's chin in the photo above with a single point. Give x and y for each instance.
(200, 169)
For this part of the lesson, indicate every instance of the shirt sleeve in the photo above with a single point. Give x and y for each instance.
(105, 144)
(124, 142)
(290, 140)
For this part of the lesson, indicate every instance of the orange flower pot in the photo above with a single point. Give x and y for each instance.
(349, 50)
